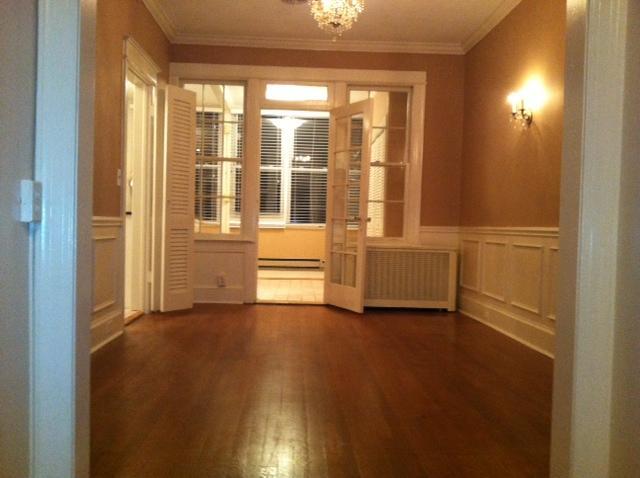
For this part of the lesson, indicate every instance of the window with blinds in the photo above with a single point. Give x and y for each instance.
(219, 157)
(293, 168)
(389, 159)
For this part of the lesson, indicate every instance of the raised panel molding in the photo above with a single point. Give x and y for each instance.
(471, 264)
(494, 262)
(107, 320)
(526, 277)
(234, 261)
(508, 280)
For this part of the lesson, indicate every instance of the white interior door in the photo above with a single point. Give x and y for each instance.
(136, 156)
(177, 247)
(349, 158)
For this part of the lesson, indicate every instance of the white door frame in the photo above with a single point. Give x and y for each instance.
(138, 63)
(62, 243)
(591, 164)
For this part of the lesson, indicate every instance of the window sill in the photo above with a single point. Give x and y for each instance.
(221, 238)
(312, 227)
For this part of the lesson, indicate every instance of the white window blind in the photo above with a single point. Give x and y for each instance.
(293, 169)
(219, 157)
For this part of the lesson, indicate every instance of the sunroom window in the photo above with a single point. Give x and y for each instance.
(293, 168)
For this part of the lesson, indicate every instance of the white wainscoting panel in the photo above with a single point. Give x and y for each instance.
(225, 271)
(107, 321)
(508, 280)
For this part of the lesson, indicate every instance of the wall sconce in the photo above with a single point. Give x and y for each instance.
(519, 111)
(531, 97)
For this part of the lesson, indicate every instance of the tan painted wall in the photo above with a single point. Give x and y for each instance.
(18, 39)
(117, 19)
(511, 177)
(444, 107)
(291, 243)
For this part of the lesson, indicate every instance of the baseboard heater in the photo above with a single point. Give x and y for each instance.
(411, 277)
(269, 263)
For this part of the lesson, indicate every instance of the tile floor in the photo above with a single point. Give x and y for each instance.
(290, 287)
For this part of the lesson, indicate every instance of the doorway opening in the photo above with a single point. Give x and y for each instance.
(137, 155)
(294, 154)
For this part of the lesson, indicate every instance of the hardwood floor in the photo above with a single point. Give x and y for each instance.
(311, 391)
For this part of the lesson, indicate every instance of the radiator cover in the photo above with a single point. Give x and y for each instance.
(410, 277)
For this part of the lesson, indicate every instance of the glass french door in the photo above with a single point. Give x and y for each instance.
(349, 158)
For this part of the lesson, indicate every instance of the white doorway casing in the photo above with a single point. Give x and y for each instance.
(62, 248)
(137, 178)
(583, 439)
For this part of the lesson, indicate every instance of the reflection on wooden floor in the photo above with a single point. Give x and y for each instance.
(291, 286)
(306, 391)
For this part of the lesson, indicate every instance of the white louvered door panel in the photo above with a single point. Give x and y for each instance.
(180, 137)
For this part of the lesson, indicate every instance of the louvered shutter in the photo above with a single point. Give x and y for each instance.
(180, 137)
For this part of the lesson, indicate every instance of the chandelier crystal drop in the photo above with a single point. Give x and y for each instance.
(336, 16)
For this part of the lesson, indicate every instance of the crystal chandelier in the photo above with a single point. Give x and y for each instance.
(336, 16)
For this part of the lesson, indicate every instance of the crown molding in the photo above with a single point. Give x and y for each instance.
(176, 37)
(162, 19)
(489, 24)
(325, 45)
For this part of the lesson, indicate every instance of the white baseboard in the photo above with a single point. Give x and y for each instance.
(534, 337)
(106, 329)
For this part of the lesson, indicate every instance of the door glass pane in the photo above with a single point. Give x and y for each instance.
(336, 268)
(339, 235)
(356, 131)
(349, 275)
(353, 228)
(342, 134)
(339, 202)
(389, 155)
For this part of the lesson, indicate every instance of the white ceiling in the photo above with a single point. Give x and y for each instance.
(422, 26)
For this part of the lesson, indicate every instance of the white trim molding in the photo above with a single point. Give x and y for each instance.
(291, 73)
(175, 36)
(447, 237)
(140, 62)
(162, 19)
(107, 318)
(582, 436)
(489, 24)
(508, 278)
(425, 48)
(62, 276)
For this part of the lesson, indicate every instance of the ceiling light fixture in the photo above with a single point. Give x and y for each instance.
(336, 16)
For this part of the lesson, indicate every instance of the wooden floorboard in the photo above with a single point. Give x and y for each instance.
(311, 391)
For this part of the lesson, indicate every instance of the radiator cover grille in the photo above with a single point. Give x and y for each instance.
(409, 277)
